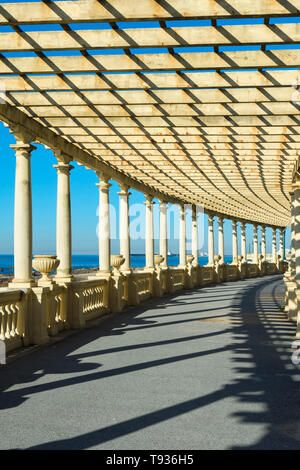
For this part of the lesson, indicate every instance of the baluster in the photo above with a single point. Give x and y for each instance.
(14, 315)
(3, 322)
(8, 321)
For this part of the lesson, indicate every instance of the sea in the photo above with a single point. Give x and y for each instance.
(92, 261)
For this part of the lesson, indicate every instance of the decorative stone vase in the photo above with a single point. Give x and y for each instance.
(116, 261)
(45, 264)
(217, 258)
(190, 258)
(158, 259)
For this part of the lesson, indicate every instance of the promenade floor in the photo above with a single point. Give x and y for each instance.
(205, 369)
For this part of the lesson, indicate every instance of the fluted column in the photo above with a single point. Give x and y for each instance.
(234, 243)
(195, 248)
(124, 231)
(255, 245)
(63, 221)
(23, 214)
(104, 224)
(182, 241)
(221, 239)
(243, 242)
(263, 242)
(163, 232)
(149, 232)
(281, 231)
(211, 248)
(274, 245)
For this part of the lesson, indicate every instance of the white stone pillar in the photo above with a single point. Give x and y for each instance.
(234, 243)
(149, 232)
(211, 248)
(23, 215)
(182, 241)
(263, 242)
(221, 239)
(104, 224)
(195, 249)
(243, 242)
(255, 245)
(281, 231)
(274, 254)
(63, 221)
(163, 232)
(124, 225)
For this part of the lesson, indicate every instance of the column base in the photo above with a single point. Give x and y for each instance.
(63, 277)
(19, 284)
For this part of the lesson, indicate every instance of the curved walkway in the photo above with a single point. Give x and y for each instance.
(206, 369)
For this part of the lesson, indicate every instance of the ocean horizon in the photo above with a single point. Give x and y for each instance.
(92, 261)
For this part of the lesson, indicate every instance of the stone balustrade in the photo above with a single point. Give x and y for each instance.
(33, 315)
(14, 321)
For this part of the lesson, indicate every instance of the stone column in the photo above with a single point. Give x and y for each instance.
(124, 225)
(163, 232)
(23, 215)
(221, 239)
(281, 231)
(195, 251)
(104, 224)
(182, 241)
(274, 254)
(296, 213)
(263, 242)
(234, 243)
(149, 232)
(211, 249)
(243, 242)
(63, 221)
(255, 245)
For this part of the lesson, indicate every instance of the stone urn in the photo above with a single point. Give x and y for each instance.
(45, 264)
(190, 258)
(116, 261)
(217, 258)
(158, 259)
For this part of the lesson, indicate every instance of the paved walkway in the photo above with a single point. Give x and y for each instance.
(207, 369)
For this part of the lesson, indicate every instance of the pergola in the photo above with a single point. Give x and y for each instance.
(187, 108)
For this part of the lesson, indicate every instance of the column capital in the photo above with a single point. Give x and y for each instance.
(64, 168)
(62, 157)
(162, 202)
(234, 223)
(124, 189)
(23, 148)
(210, 217)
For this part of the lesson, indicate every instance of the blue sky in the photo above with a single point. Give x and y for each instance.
(83, 182)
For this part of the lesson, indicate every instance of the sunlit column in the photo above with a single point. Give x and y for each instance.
(243, 242)
(195, 248)
(281, 231)
(149, 232)
(274, 245)
(63, 221)
(163, 232)
(104, 224)
(221, 239)
(211, 249)
(182, 240)
(263, 242)
(234, 243)
(255, 245)
(124, 231)
(23, 214)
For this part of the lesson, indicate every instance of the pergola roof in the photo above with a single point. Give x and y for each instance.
(195, 106)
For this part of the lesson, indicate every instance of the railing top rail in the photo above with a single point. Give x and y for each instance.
(11, 295)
